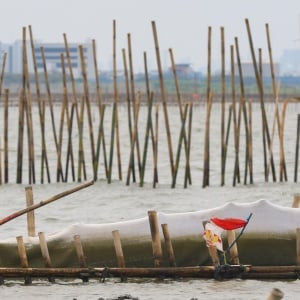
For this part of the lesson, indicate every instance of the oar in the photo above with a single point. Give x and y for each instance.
(44, 202)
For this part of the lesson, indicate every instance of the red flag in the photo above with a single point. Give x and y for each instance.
(229, 224)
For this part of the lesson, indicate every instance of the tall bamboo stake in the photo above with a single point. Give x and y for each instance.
(69, 155)
(297, 149)
(179, 106)
(132, 88)
(260, 90)
(189, 139)
(155, 152)
(148, 128)
(6, 169)
(88, 108)
(243, 108)
(134, 137)
(81, 161)
(128, 100)
(206, 143)
(283, 172)
(250, 142)
(181, 138)
(236, 172)
(115, 121)
(223, 99)
(44, 157)
(101, 135)
(59, 173)
(163, 97)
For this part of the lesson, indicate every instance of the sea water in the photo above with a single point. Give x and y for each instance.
(103, 202)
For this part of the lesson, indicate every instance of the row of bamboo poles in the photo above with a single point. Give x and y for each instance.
(74, 110)
(218, 270)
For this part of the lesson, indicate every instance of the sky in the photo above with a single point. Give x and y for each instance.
(181, 25)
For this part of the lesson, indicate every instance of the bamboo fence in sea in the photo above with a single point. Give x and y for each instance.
(84, 146)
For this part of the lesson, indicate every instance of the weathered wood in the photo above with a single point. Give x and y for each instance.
(169, 246)
(233, 250)
(23, 257)
(30, 214)
(156, 242)
(44, 250)
(118, 249)
(296, 201)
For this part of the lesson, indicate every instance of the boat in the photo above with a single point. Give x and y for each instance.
(268, 240)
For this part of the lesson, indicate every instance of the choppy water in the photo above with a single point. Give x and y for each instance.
(104, 202)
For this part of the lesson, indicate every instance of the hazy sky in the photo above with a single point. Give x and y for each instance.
(181, 24)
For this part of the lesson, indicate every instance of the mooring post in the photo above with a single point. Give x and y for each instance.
(30, 214)
(80, 255)
(156, 242)
(118, 248)
(233, 250)
(296, 201)
(168, 243)
(45, 253)
(23, 257)
(298, 246)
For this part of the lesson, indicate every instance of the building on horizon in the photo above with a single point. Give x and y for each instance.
(53, 52)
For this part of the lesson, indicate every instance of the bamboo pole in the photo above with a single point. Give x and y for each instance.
(59, 173)
(23, 257)
(297, 149)
(223, 103)
(132, 88)
(115, 122)
(155, 152)
(156, 242)
(118, 249)
(181, 138)
(134, 138)
(44, 157)
(250, 141)
(169, 246)
(233, 250)
(79, 250)
(283, 171)
(189, 140)
(179, 101)
(81, 161)
(206, 144)
(30, 214)
(148, 129)
(44, 250)
(296, 201)
(88, 108)
(45, 202)
(101, 135)
(69, 155)
(243, 109)
(236, 172)
(260, 90)
(6, 168)
(298, 246)
(128, 100)
(163, 97)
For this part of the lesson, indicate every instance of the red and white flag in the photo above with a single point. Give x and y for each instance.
(215, 227)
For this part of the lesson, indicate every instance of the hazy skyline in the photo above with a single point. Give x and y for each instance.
(181, 25)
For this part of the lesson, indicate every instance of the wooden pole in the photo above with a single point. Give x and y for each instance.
(118, 249)
(250, 142)
(297, 150)
(45, 254)
(23, 257)
(296, 201)
(233, 250)
(169, 246)
(45, 202)
(155, 152)
(298, 246)
(189, 139)
(80, 255)
(223, 102)
(163, 97)
(30, 214)
(156, 241)
(6, 169)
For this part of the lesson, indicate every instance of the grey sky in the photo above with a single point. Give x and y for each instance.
(181, 24)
